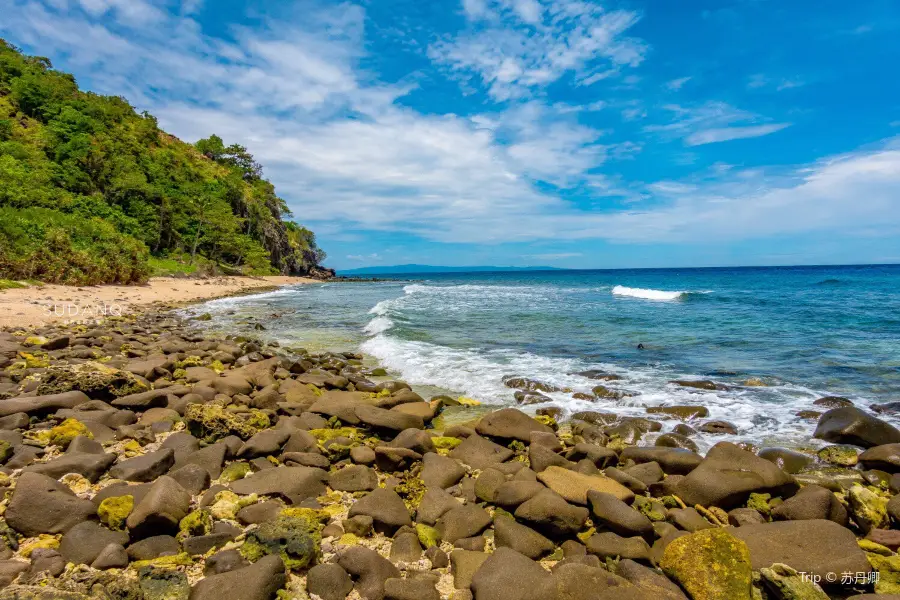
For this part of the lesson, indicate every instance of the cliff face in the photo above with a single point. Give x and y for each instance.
(77, 167)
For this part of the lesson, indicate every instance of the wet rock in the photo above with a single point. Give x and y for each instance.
(387, 419)
(528, 385)
(719, 428)
(259, 581)
(850, 425)
(549, 512)
(885, 458)
(685, 413)
(384, 506)
(710, 565)
(833, 402)
(706, 385)
(370, 570)
(788, 461)
(574, 487)
(40, 504)
(510, 534)
(510, 423)
(675, 440)
(816, 547)
(84, 542)
(729, 475)
(840, 455)
(329, 582)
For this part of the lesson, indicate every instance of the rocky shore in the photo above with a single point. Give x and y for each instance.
(143, 460)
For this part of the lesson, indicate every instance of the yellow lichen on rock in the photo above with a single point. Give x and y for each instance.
(114, 511)
(710, 564)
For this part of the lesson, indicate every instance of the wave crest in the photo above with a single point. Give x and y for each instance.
(621, 290)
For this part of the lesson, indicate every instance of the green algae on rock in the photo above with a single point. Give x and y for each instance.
(710, 564)
(114, 511)
(297, 539)
(93, 378)
(211, 422)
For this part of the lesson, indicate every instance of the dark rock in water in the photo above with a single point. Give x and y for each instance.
(675, 440)
(509, 423)
(329, 582)
(850, 425)
(701, 385)
(528, 385)
(811, 502)
(719, 428)
(599, 375)
(728, 475)
(41, 504)
(259, 581)
(509, 575)
(809, 414)
(685, 413)
(526, 398)
(885, 458)
(788, 461)
(816, 547)
(886, 408)
(370, 569)
(833, 402)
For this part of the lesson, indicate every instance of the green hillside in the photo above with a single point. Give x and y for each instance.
(93, 192)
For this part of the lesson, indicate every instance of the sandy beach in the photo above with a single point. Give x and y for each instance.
(41, 305)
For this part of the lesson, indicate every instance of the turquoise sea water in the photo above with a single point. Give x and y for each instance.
(805, 332)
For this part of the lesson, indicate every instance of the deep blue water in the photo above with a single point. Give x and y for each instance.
(804, 332)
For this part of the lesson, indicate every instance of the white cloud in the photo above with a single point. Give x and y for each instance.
(761, 81)
(724, 134)
(676, 84)
(513, 47)
(361, 257)
(712, 122)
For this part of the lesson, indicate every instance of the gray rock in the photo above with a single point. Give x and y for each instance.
(370, 569)
(479, 452)
(850, 425)
(550, 513)
(84, 542)
(510, 534)
(812, 502)
(510, 423)
(153, 547)
(292, 483)
(609, 545)
(441, 471)
(259, 581)
(387, 419)
(384, 506)
(462, 522)
(40, 504)
(354, 478)
(435, 502)
(329, 582)
(160, 510)
(113, 556)
(617, 516)
(90, 466)
(463, 566)
(418, 588)
(144, 468)
(509, 575)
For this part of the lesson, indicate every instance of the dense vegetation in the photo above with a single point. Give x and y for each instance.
(91, 191)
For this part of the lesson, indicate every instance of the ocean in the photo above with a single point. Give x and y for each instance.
(776, 339)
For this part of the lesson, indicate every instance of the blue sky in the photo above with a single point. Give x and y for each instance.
(648, 133)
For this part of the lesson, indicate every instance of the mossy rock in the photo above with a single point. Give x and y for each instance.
(63, 434)
(163, 583)
(652, 509)
(888, 568)
(93, 378)
(211, 422)
(114, 511)
(710, 564)
(760, 503)
(226, 504)
(43, 541)
(411, 490)
(788, 584)
(35, 340)
(190, 361)
(35, 360)
(182, 559)
(235, 471)
(840, 455)
(428, 536)
(297, 539)
(868, 508)
(196, 523)
(325, 435)
(445, 443)
(6, 451)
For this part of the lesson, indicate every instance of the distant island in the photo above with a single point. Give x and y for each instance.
(411, 269)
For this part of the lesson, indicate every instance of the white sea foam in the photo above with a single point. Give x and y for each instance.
(378, 325)
(621, 290)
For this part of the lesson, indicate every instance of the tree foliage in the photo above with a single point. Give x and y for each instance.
(97, 160)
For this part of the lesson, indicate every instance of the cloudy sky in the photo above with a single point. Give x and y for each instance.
(642, 133)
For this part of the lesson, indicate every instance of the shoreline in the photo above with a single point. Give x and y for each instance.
(39, 305)
(253, 470)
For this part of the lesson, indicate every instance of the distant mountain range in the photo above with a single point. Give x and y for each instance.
(410, 269)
